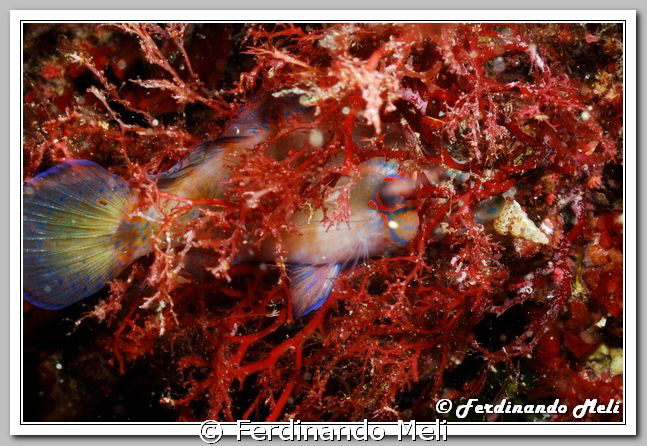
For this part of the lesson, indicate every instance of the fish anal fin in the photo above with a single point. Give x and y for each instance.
(311, 285)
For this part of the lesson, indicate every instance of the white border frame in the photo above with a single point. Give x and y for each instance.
(18, 427)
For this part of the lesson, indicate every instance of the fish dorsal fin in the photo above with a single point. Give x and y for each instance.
(202, 153)
(252, 123)
(311, 285)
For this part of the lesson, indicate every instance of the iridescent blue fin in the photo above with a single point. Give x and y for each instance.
(75, 234)
(201, 153)
(311, 285)
(247, 126)
(200, 173)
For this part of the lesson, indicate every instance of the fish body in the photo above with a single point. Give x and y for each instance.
(81, 228)
(372, 228)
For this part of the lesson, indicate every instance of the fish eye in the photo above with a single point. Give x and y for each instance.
(394, 191)
(388, 194)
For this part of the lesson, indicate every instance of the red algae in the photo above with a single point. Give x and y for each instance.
(530, 110)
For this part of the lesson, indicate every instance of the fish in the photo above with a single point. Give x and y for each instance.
(383, 219)
(81, 227)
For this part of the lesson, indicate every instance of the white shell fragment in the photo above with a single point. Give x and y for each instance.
(513, 221)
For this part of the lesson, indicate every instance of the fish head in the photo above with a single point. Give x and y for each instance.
(392, 195)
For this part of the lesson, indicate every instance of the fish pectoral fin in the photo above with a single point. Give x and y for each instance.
(311, 285)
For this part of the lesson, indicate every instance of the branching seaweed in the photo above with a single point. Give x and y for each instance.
(510, 107)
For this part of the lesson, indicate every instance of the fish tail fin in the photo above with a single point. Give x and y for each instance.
(77, 235)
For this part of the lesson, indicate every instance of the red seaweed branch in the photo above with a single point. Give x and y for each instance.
(476, 111)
